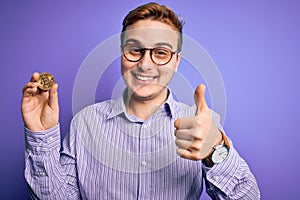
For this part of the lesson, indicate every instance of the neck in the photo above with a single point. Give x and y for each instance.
(144, 107)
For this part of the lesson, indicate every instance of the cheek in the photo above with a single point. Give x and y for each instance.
(166, 75)
(175, 63)
(125, 66)
(170, 69)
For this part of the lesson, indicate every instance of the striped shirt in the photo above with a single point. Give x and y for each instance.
(109, 154)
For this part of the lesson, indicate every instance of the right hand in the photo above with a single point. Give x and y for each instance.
(40, 110)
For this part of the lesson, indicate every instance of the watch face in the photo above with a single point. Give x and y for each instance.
(219, 154)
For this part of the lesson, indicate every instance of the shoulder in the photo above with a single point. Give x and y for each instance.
(96, 110)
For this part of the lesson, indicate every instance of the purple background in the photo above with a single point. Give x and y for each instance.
(255, 44)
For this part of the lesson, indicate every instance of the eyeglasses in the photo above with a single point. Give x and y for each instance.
(158, 55)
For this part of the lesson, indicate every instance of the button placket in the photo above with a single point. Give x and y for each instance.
(144, 163)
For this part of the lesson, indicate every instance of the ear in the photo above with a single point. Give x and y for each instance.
(178, 58)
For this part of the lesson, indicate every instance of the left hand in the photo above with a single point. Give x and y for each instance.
(197, 135)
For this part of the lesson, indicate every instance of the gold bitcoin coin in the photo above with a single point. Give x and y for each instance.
(46, 80)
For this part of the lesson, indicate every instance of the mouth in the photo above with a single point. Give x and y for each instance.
(145, 78)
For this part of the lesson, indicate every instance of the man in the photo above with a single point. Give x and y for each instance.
(144, 145)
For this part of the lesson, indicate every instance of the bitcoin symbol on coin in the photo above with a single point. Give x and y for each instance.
(46, 80)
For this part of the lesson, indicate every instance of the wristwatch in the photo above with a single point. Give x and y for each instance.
(220, 152)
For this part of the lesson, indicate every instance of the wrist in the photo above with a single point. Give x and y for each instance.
(221, 143)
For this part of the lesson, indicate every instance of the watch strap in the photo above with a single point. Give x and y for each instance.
(226, 142)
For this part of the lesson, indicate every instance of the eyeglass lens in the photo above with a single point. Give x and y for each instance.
(159, 55)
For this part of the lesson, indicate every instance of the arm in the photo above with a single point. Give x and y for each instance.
(50, 174)
(231, 179)
(196, 138)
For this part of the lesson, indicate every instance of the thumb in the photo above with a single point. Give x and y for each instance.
(53, 97)
(200, 98)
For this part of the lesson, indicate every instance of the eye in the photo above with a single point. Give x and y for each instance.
(162, 52)
(133, 49)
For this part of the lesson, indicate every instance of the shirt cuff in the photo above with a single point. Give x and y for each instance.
(224, 174)
(42, 141)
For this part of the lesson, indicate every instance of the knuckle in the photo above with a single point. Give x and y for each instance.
(181, 152)
(177, 122)
(176, 132)
(196, 146)
(196, 134)
(196, 156)
(177, 142)
(197, 123)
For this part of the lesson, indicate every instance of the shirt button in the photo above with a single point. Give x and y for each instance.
(50, 139)
(216, 178)
(41, 143)
(144, 163)
(146, 125)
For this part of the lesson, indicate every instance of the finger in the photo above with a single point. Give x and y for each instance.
(200, 98)
(53, 96)
(191, 145)
(184, 123)
(183, 144)
(184, 134)
(30, 88)
(185, 153)
(189, 154)
(35, 77)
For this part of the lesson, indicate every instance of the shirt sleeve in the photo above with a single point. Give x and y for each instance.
(231, 179)
(49, 172)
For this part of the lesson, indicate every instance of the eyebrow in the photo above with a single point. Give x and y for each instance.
(163, 44)
(131, 40)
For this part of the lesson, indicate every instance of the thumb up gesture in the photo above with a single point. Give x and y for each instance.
(197, 135)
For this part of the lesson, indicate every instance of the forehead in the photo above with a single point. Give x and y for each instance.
(150, 33)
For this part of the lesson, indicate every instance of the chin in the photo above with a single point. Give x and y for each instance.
(148, 92)
(143, 95)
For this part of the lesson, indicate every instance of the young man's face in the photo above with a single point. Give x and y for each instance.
(146, 79)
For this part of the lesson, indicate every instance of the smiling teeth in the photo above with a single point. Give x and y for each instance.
(144, 78)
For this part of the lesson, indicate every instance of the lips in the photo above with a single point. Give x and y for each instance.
(144, 77)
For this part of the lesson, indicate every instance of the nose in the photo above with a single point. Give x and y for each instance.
(146, 62)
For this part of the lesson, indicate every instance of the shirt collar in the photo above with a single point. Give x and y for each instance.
(170, 105)
(117, 107)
